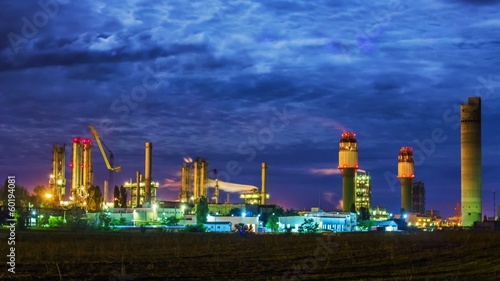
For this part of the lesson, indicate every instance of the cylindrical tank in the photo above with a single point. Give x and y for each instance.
(470, 139)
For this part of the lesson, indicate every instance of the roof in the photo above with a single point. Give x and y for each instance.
(218, 222)
(386, 223)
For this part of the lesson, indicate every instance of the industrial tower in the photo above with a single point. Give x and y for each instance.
(185, 195)
(406, 174)
(148, 162)
(363, 190)
(348, 164)
(82, 175)
(57, 181)
(470, 139)
(143, 190)
(200, 178)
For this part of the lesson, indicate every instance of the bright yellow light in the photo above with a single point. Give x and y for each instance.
(48, 195)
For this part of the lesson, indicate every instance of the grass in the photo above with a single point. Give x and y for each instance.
(59, 255)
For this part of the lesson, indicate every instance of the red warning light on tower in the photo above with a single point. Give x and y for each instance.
(348, 151)
(406, 163)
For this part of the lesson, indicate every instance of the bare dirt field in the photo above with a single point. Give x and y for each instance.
(62, 255)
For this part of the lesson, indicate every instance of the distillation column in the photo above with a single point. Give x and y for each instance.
(87, 167)
(348, 164)
(185, 172)
(57, 181)
(203, 178)
(470, 139)
(138, 178)
(77, 170)
(406, 174)
(196, 180)
(263, 191)
(147, 173)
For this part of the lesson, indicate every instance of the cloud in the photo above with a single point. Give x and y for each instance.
(340, 205)
(170, 184)
(230, 66)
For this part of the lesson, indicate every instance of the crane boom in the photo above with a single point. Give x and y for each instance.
(101, 148)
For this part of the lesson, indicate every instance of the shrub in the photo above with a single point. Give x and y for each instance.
(195, 228)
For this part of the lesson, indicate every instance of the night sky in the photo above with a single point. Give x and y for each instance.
(245, 82)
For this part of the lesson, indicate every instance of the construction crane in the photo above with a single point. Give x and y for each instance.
(109, 163)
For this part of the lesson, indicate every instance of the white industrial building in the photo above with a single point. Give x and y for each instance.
(328, 222)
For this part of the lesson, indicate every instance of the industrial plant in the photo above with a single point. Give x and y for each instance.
(199, 180)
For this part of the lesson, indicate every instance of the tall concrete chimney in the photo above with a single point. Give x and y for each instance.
(348, 164)
(147, 173)
(470, 139)
(406, 174)
(263, 192)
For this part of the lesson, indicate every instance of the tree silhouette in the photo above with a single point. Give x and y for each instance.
(117, 197)
(94, 198)
(123, 197)
(202, 210)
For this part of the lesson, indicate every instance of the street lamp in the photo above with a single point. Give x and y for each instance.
(48, 195)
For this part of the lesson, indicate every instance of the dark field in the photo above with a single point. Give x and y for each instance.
(56, 255)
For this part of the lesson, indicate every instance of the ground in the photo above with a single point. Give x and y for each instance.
(64, 255)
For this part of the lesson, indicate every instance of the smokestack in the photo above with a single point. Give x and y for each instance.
(406, 174)
(348, 164)
(147, 173)
(263, 191)
(138, 190)
(470, 139)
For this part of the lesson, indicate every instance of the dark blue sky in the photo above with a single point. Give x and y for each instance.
(224, 79)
